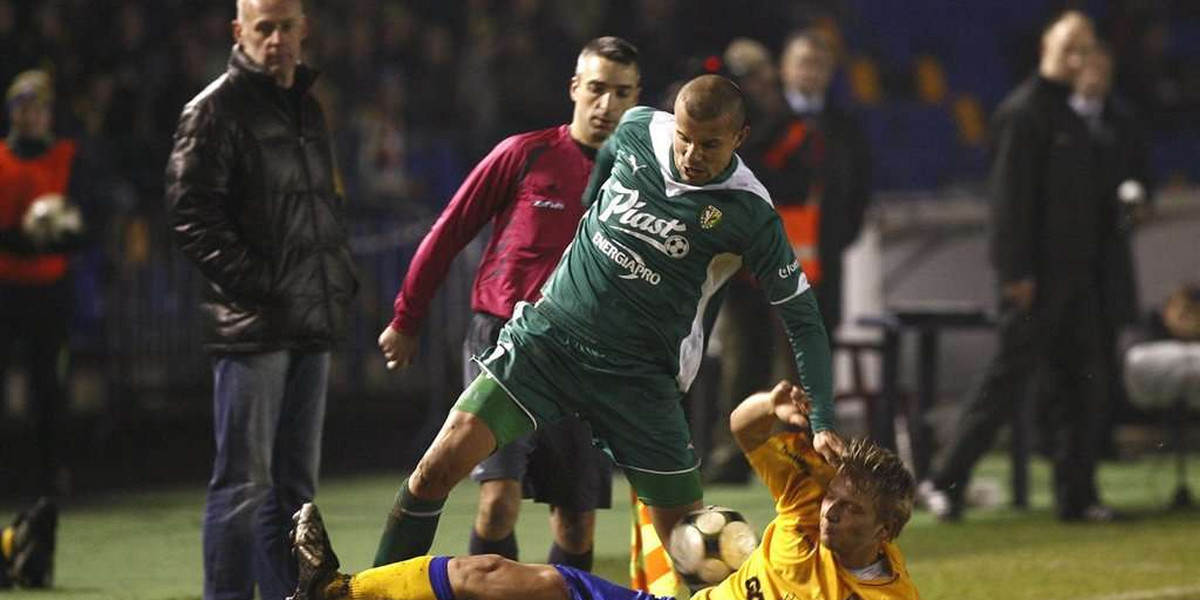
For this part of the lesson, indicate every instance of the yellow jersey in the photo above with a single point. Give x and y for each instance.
(790, 563)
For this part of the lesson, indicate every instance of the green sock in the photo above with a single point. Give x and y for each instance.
(410, 527)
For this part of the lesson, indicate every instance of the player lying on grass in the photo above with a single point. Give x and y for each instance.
(832, 536)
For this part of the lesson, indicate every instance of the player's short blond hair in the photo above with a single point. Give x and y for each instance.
(881, 476)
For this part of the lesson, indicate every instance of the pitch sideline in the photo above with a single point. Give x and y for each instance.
(1158, 594)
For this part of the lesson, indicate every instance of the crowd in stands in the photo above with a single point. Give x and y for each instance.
(417, 90)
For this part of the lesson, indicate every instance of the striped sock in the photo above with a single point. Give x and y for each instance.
(410, 527)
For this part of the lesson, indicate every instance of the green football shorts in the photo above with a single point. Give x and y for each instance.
(537, 373)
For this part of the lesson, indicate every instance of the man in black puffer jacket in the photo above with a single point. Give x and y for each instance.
(253, 201)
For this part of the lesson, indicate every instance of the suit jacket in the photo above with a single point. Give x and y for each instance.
(1049, 213)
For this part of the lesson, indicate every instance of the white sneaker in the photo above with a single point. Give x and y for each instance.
(936, 501)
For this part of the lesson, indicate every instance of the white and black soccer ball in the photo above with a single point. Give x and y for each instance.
(51, 218)
(710, 543)
(676, 246)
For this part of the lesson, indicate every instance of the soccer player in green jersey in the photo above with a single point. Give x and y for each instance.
(617, 335)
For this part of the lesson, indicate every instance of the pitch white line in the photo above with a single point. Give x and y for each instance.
(1159, 594)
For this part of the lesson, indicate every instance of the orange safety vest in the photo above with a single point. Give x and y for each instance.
(801, 221)
(21, 182)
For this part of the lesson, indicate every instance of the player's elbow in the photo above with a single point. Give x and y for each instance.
(750, 423)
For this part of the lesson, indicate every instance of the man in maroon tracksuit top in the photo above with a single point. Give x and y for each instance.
(531, 187)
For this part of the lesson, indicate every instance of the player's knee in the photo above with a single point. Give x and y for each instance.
(499, 508)
(551, 585)
(476, 576)
(574, 531)
(478, 572)
(431, 479)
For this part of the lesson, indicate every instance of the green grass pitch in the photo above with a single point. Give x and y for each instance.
(145, 545)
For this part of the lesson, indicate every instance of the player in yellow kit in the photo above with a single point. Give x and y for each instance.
(833, 536)
(835, 529)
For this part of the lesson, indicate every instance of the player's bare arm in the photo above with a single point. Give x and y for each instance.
(755, 419)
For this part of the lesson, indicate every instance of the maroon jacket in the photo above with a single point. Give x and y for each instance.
(531, 186)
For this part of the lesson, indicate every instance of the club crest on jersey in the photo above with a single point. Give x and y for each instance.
(710, 217)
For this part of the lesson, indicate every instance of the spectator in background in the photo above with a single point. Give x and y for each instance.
(531, 186)
(35, 295)
(384, 144)
(818, 168)
(1049, 219)
(1164, 368)
(1126, 194)
(254, 202)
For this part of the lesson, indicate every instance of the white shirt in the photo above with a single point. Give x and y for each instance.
(1091, 110)
(804, 103)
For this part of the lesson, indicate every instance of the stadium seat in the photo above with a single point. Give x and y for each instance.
(866, 84)
(969, 118)
(930, 79)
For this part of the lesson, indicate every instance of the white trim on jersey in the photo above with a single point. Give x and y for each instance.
(662, 134)
(653, 472)
(499, 350)
(511, 396)
(691, 349)
(801, 287)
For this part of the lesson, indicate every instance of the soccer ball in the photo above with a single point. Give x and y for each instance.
(710, 543)
(50, 218)
(677, 246)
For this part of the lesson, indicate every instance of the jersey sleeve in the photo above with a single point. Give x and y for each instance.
(795, 475)
(771, 259)
(606, 157)
(484, 192)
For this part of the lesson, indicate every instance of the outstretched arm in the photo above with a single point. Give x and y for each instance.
(774, 264)
(793, 472)
(488, 189)
(756, 418)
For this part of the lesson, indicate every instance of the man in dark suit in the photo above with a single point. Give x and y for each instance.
(1124, 156)
(1050, 229)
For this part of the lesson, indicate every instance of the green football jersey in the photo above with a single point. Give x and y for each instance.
(651, 251)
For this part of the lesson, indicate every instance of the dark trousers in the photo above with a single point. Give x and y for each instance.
(34, 322)
(1059, 346)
